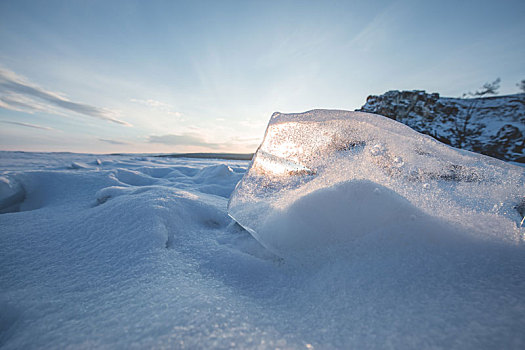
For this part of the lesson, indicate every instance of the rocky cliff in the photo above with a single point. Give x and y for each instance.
(494, 126)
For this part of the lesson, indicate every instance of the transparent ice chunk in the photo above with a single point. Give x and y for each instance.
(353, 152)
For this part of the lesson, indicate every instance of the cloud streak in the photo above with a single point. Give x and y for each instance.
(185, 139)
(158, 105)
(28, 125)
(195, 140)
(18, 94)
(113, 142)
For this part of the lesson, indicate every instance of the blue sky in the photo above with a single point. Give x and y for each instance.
(184, 76)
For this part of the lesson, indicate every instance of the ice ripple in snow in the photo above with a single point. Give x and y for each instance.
(12, 194)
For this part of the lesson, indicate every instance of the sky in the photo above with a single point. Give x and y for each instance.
(205, 76)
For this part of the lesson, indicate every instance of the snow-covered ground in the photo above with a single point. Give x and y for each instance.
(139, 252)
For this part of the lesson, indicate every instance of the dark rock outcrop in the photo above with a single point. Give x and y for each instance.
(494, 126)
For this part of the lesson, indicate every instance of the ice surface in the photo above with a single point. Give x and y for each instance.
(139, 252)
(323, 179)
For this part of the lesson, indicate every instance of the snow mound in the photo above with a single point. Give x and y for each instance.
(323, 178)
(78, 165)
(336, 216)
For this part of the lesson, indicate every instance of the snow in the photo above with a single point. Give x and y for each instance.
(338, 217)
(11, 194)
(134, 251)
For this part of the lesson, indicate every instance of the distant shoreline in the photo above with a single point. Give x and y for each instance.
(203, 155)
(227, 156)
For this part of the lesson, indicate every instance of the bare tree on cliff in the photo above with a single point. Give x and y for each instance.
(463, 129)
(521, 85)
(487, 89)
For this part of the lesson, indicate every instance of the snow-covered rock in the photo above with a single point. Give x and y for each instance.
(494, 126)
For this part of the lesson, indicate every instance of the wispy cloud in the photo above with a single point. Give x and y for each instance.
(381, 28)
(34, 126)
(158, 105)
(185, 139)
(17, 93)
(195, 140)
(113, 142)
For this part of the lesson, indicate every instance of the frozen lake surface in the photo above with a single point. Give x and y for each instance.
(139, 252)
